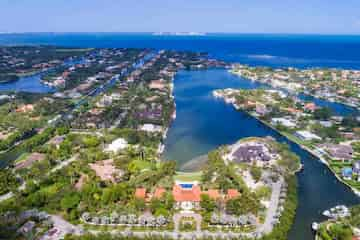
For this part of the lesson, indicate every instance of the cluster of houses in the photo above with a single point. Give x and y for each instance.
(327, 84)
(233, 221)
(115, 219)
(21, 60)
(333, 84)
(102, 59)
(344, 154)
(83, 88)
(348, 173)
(278, 78)
(96, 118)
(262, 105)
(187, 195)
(37, 223)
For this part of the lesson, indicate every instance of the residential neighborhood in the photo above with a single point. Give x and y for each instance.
(334, 139)
(340, 85)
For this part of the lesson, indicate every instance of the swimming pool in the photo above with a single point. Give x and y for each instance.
(186, 185)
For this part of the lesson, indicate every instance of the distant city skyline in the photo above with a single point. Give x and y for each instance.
(228, 16)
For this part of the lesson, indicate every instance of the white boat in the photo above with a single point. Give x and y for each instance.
(326, 213)
(339, 211)
(315, 226)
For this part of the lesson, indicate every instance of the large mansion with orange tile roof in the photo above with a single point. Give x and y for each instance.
(187, 195)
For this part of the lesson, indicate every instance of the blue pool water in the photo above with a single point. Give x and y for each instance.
(186, 185)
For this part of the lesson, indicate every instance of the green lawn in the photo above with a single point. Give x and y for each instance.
(188, 176)
(142, 165)
(22, 157)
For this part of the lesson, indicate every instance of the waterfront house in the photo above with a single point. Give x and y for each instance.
(283, 121)
(306, 135)
(261, 109)
(33, 157)
(293, 111)
(150, 114)
(186, 196)
(157, 85)
(151, 128)
(311, 107)
(356, 168)
(251, 153)
(326, 123)
(337, 119)
(348, 135)
(347, 173)
(339, 152)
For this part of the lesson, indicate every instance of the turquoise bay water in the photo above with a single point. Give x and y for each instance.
(27, 84)
(254, 49)
(204, 123)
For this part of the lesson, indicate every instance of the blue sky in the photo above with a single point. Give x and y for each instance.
(251, 16)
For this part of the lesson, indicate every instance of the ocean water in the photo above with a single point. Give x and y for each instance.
(204, 123)
(254, 49)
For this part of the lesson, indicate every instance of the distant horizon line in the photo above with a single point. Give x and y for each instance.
(180, 33)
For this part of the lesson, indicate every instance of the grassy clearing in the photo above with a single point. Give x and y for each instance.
(188, 176)
(22, 157)
(142, 165)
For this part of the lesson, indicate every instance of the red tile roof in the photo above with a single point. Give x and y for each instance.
(212, 193)
(232, 193)
(186, 195)
(140, 193)
(310, 106)
(159, 192)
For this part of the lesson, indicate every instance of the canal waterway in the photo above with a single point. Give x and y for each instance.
(204, 123)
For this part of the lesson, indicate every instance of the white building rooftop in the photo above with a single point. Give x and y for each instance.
(117, 145)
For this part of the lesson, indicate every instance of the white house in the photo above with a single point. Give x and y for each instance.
(117, 145)
(283, 121)
(151, 128)
(306, 135)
